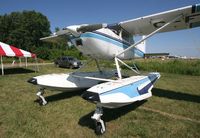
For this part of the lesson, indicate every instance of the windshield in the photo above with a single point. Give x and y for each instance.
(72, 59)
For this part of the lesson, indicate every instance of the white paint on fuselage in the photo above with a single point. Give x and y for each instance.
(104, 44)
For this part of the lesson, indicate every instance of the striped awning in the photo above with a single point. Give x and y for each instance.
(11, 51)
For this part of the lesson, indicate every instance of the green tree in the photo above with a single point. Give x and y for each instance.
(57, 29)
(24, 29)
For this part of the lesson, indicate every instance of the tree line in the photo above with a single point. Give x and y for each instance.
(24, 29)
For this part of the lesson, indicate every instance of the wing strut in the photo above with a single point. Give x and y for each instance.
(117, 60)
(151, 34)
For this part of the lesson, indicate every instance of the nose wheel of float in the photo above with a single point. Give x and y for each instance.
(42, 100)
(99, 123)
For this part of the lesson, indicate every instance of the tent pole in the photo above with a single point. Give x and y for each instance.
(2, 71)
(20, 62)
(26, 61)
(37, 69)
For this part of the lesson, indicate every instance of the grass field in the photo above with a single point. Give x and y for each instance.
(172, 111)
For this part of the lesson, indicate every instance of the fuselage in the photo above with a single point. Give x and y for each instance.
(105, 43)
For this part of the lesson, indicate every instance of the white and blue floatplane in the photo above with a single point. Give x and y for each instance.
(114, 42)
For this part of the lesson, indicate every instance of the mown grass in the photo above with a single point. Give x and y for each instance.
(68, 115)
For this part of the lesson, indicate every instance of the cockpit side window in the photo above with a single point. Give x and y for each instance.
(122, 33)
(127, 36)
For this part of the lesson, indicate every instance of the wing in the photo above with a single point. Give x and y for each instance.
(72, 31)
(62, 35)
(147, 24)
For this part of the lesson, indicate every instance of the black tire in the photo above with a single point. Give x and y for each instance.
(57, 65)
(71, 66)
(98, 129)
(40, 102)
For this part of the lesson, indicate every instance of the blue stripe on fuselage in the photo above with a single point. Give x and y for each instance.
(117, 39)
(114, 41)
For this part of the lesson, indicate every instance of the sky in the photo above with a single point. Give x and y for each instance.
(62, 13)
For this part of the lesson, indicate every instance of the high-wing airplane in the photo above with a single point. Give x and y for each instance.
(115, 42)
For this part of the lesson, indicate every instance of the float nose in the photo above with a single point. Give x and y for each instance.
(91, 96)
(154, 76)
(32, 81)
(157, 75)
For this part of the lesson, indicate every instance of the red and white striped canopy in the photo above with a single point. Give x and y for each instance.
(11, 51)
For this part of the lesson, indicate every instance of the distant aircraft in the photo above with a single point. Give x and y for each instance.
(115, 42)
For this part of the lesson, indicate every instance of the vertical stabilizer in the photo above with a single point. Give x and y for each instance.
(142, 45)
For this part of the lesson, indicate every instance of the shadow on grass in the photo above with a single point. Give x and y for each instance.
(109, 114)
(176, 95)
(63, 95)
(17, 71)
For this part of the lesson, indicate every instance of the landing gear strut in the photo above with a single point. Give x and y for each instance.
(99, 123)
(42, 100)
